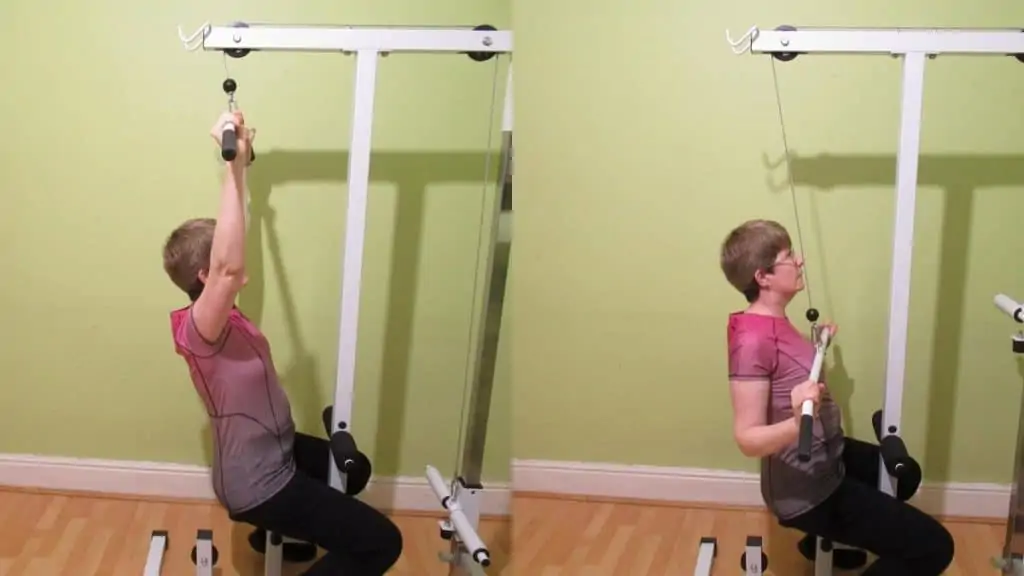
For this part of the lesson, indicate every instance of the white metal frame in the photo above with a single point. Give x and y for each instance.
(753, 552)
(356, 39)
(158, 541)
(914, 46)
(706, 553)
(205, 554)
(368, 44)
(1012, 559)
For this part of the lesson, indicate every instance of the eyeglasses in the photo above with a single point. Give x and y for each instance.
(790, 260)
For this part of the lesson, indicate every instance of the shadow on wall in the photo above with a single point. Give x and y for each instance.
(411, 172)
(959, 176)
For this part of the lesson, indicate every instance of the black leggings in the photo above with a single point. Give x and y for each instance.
(359, 540)
(907, 541)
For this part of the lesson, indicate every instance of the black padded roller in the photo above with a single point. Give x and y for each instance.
(894, 455)
(328, 419)
(355, 465)
(876, 425)
(343, 447)
(909, 480)
(358, 474)
(803, 452)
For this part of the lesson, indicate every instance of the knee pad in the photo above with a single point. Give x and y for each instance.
(909, 481)
(350, 461)
(358, 474)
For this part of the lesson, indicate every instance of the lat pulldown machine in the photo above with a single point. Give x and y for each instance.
(914, 46)
(1012, 560)
(350, 469)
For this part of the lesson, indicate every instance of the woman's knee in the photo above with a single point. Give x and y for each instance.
(391, 542)
(936, 548)
(945, 549)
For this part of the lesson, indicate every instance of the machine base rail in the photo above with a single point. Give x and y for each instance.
(204, 554)
(463, 518)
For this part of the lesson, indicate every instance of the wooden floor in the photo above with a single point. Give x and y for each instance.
(62, 535)
(52, 534)
(569, 538)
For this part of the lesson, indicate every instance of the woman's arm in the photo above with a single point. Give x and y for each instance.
(754, 436)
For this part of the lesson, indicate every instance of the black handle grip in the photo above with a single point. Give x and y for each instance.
(803, 451)
(894, 455)
(229, 143)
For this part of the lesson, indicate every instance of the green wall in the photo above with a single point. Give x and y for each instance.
(641, 140)
(105, 150)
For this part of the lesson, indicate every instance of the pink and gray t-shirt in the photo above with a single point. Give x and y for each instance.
(253, 431)
(769, 348)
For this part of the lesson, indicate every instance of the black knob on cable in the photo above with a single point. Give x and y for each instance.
(812, 314)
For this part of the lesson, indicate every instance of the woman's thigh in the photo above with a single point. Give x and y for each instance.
(310, 510)
(862, 461)
(312, 456)
(861, 516)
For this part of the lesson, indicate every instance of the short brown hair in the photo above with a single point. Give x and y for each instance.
(187, 252)
(750, 247)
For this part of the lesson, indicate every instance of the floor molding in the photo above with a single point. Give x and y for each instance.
(578, 479)
(185, 482)
(723, 487)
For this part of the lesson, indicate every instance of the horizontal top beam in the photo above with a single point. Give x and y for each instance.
(353, 39)
(891, 41)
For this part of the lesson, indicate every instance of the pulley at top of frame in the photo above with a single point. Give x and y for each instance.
(483, 56)
(785, 56)
(238, 52)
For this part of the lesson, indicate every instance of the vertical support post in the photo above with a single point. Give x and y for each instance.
(902, 250)
(463, 561)
(1013, 545)
(206, 555)
(752, 565)
(273, 559)
(823, 558)
(508, 109)
(355, 236)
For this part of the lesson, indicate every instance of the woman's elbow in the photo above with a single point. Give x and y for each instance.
(747, 448)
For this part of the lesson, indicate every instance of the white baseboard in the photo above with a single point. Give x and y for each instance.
(724, 487)
(591, 479)
(160, 480)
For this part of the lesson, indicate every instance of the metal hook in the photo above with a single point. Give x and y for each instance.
(191, 42)
(743, 44)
